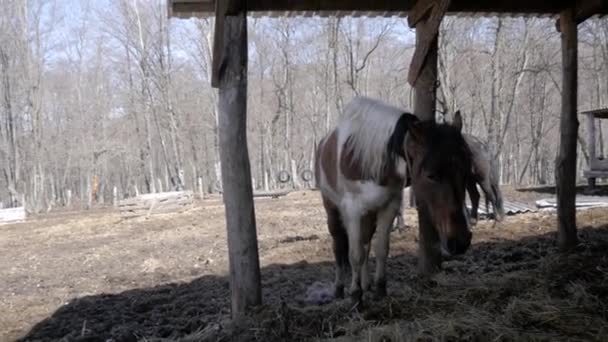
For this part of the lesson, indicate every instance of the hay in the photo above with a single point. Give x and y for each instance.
(552, 298)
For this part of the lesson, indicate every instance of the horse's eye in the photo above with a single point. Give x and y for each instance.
(434, 177)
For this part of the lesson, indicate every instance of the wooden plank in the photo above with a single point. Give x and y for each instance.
(426, 39)
(12, 214)
(535, 7)
(185, 6)
(235, 168)
(419, 11)
(273, 194)
(566, 160)
(584, 9)
(601, 113)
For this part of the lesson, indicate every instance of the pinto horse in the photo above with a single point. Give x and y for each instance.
(485, 173)
(361, 168)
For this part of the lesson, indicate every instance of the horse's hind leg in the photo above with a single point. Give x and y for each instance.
(474, 195)
(340, 247)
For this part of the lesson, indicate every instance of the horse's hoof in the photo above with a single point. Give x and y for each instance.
(339, 291)
(356, 297)
(366, 287)
(378, 296)
(380, 291)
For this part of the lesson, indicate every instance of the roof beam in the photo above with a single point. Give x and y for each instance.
(419, 11)
(584, 9)
(380, 6)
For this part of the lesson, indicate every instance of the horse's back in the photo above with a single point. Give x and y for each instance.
(370, 110)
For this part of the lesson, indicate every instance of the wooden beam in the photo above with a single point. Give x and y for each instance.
(380, 6)
(584, 9)
(234, 157)
(565, 168)
(426, 39)
(186, 6)
(222, 10)
(419, 11)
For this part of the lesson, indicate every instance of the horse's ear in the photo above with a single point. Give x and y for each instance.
(457, 122)
(417, 134)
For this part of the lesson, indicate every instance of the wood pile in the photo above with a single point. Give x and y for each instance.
(12, 215)
(159, 203)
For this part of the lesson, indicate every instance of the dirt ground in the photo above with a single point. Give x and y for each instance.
(94, 277)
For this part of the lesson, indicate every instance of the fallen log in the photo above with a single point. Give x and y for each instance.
(12, 215)
(158, 203)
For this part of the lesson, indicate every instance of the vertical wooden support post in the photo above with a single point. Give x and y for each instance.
(566, 161)
(426, 16)
(425, 89)
(231, 40)
(591, 147)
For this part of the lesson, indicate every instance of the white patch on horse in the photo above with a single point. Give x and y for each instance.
(401, 167)
(362, 197)
(369, 124)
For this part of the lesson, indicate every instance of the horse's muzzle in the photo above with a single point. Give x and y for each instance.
(459, 245)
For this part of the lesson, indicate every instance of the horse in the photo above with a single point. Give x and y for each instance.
(361, 167)
(485, 173)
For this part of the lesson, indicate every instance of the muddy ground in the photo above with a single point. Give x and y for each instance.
(91, 276)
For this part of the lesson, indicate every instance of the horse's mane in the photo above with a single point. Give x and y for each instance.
(370, 124)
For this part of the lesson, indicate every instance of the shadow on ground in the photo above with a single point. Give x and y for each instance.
(503, 290)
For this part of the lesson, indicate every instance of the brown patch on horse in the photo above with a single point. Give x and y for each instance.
(352, 170)
(327, 153)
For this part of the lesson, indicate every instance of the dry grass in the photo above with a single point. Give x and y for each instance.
(94, 277)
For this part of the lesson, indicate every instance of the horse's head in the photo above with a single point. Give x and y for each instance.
(439, 162)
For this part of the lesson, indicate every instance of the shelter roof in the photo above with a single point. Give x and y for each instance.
(375, 8)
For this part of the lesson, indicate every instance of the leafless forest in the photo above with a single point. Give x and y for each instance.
(97, 95)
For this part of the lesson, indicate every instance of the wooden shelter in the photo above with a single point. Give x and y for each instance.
(229, 74)
(598, 166)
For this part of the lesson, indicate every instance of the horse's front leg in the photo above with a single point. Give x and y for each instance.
(382, 245)
(340, 248)
(365, 281)
(356, 257)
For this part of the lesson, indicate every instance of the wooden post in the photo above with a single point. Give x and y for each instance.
(566, 161)
(231, 39)
(591, 146)
(422, 74)
(425, 88)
